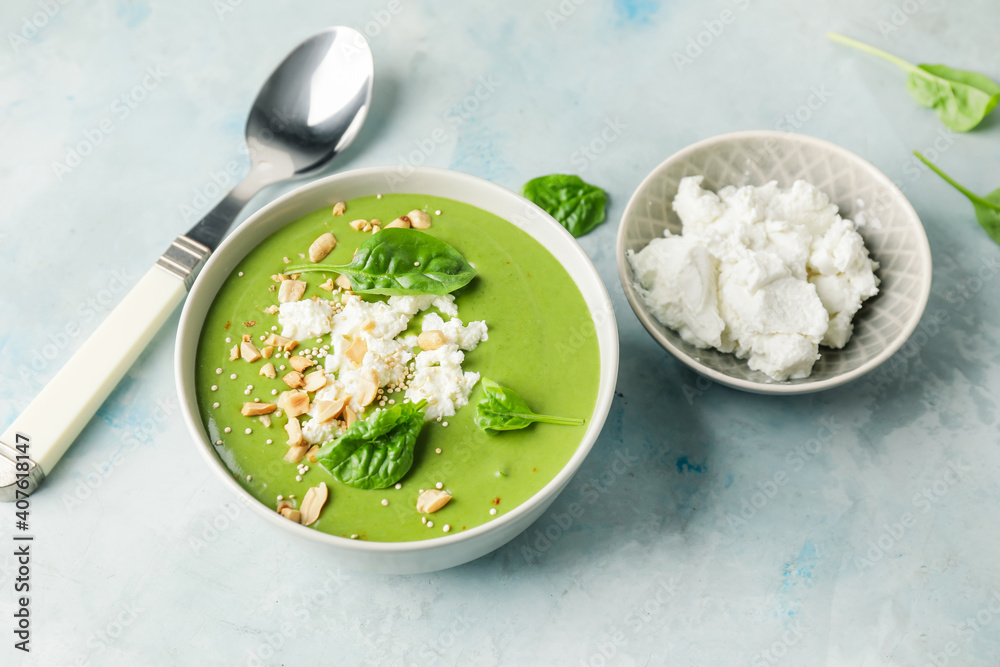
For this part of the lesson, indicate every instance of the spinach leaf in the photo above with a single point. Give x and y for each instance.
(578, 206)
(503, 410)
(987, 208)
(960, 98)
(377, 452)
(401, 261)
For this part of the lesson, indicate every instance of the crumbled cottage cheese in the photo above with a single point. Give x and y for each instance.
(437, 375)
(765, 273)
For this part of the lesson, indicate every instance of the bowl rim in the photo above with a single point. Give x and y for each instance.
(606, 334)
(652, 326)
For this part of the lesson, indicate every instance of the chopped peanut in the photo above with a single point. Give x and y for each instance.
(265, 420)
(272, 309)
(359, 224)
(369, 388)
(430, 340)
(322, 247)
(246, 338)
(328, 410)
(357, 351)
(432, 500)
(291, 290)
(349, 417)
(291, 514)
(328, 285)
(287, 344)
(294, 402)
(267, 352)
(368, 325)
(267, 370)
(403, 222)
(300, 363)
(296, 453)
(343, 282)
(311, 454)
(293, 379)
(254, 409)
(339, 208)
(294, 431)
(419, 219)
(312, 504)
(314, 381)
(234, 353)
(249, 351)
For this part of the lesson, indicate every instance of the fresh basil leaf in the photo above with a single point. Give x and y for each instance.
(960, 98)
(578, 206)
(987, 208)
(377, 452)
(501, 409)
(401, 261)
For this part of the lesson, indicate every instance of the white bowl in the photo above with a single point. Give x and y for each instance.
(893, 234)
(440, 552)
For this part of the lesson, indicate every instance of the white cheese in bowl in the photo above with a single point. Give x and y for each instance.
(766, 273)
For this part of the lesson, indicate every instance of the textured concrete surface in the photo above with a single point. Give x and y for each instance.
(852, 527)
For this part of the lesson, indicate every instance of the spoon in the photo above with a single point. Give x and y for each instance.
(309, 110)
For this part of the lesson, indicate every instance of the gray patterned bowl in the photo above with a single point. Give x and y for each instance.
(893, 233)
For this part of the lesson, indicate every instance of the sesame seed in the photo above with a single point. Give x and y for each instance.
(248, 431)
(269, 441)
(385, 502)
(430, 524)
(263, 337)
(249, 478)
(218, 442)
(227, 430)
(291, 495)
(218, 371)
(240, 274)
(399, 486)
(274, 392)
(282, 367)
(439, 485)
(414, 264)
(215, 387)
(228, 339)
(298, 478)
(256, 400)
(354, 536)
(444, 423)
(493, 510)
(438, 212)
(423, 519)
(378, 196)
(446, 528)
(437, 451)
(215, 405)
(232, 376)
(250, 387)
(246, 392)
(280, 497)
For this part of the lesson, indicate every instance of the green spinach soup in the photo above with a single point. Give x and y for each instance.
(397, 368)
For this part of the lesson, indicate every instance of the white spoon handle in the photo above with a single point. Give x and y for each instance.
(64, 406)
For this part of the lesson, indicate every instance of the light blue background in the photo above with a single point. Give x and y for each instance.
(154, 563)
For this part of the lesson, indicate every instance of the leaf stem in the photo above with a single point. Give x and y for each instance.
(861, 46)
(565, 421)
(973, 197)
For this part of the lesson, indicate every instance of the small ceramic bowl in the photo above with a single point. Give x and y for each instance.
(892, 231)
(448, 550)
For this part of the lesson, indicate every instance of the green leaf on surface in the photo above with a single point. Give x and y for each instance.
(501, 409)
(987, 208)
(960, 98)
(576, 205)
